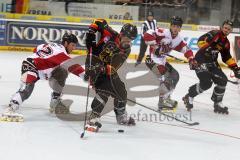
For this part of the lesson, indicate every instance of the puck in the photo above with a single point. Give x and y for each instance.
(120, 130)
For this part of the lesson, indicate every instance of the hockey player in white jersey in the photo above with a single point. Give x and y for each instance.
(45, 63)
(162, 42)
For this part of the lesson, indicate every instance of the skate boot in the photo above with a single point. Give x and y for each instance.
(188, 101)
(10, 114)
(93, 124)
(123, 119)
(56, 105)
(167, 104)
(220, 108)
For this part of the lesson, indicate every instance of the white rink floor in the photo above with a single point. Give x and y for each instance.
(45, 137)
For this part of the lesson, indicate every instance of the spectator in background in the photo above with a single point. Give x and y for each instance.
(235, 20)
(150, 23)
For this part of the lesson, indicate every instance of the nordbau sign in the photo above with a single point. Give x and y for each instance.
(31, 34)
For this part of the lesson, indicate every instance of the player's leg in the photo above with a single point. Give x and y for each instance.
(219, 90)
(28, 79)
(120, 101)
(98, 104)
(57, 82)
(205, 82)
(168, 83)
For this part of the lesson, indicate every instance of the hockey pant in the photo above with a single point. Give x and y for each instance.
(207, 78)
(168, 81)
(106, 86)
(30, 76)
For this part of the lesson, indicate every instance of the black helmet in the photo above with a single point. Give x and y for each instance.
(175, 20)
(150, 13)
(69, 37)
(129, 30)
(228, 22)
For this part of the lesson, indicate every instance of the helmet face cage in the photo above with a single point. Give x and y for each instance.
(228, 22)
(70, 38)
(175, 20)
(129, 31)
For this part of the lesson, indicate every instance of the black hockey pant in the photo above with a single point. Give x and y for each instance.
(207, 78)
(106, 86)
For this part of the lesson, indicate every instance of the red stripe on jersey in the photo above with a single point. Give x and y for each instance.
(180, 46)
(51, 62)
(76, 69)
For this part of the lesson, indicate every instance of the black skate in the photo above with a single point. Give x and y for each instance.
(93, 126)
(220, 108)
(123, 119)
(188, 101)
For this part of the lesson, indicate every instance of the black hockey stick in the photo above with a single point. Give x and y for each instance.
(190, 124)
(88, 89)
(220, 77)
(215, 75)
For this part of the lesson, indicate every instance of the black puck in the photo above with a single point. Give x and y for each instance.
(120, 130)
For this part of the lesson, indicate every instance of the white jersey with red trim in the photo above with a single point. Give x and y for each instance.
(162, 43)
(47, 57)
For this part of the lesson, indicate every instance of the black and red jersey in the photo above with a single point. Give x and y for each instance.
(210, 45)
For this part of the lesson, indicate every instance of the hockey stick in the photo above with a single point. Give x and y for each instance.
(217, 76)
(178, 59)
(149, 108)
(88, 89)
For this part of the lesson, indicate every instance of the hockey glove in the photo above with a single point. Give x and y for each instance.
(193, 64)
(236, 71)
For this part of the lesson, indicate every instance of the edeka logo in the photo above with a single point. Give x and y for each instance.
(30, 34)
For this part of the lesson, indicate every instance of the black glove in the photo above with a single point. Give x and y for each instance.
(193, 64)
(90, 40)
(93, 71)
(236, 71)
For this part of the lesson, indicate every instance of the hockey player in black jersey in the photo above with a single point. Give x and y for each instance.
(208, 70)
(108, 55)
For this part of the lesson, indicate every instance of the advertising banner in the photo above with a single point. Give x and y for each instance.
(2, 32)
(5, 5)
(31, 34)
(90, 10)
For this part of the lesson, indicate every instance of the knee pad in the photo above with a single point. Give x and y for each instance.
(119, 106)
(205, 85)
(153, 66)
(99, 102)
(60, 75)
(26, 90)
(172, 75)
(218, 93)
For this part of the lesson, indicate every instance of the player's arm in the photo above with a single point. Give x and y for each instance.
(98, 25)
(227, 59)
(207, 40)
